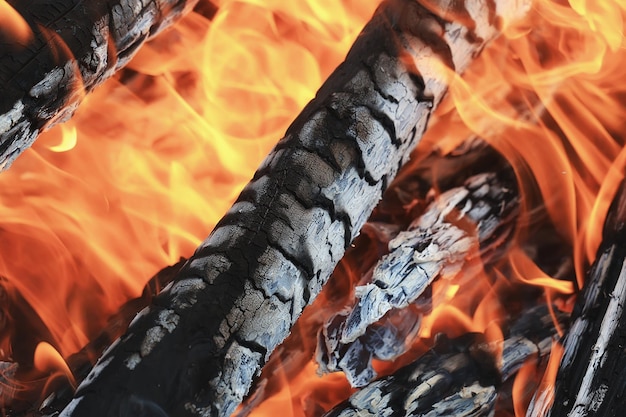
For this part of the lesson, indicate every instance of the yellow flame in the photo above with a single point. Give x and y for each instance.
(13, 25)
(69, 138)
(48, 359)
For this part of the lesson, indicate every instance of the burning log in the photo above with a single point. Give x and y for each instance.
(80, 363)
(591, 380)
(458, 377)
(66, 50)
(462, 225)
(20, 341)
(196, 350)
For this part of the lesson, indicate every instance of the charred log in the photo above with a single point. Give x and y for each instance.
(19, 342)
(458, 377)
(81, 363)
(196, 350)
(72, 47)
(591, 380)
(457, 225)
(459, 231)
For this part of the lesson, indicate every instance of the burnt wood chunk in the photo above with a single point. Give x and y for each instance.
(72, 47)
(196, 350)
(461, 226)
(457, 377)
(591, 380)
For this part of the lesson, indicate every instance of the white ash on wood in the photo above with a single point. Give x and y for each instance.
(75, 46)
(454, 237)
(591, 380)
(458, 377)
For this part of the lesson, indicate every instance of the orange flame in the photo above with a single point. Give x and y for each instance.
(48, 359)
(13, 25)
(154, 157)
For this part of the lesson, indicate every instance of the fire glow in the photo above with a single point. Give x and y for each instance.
(153, 158)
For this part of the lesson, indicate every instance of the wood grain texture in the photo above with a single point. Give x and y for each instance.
(591, 380)
(197, 349)
(75, 46)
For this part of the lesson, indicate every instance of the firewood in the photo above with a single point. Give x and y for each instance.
(457, 377)
(591, 379)
(23, 330)
(80, 363)
(72, 47)
(459, 227)
(198, 347)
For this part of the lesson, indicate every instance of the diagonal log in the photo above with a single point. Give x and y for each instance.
(461, 226)
(197, 348)
(81, 362)
(69, 48)
(459, 377)
(22, 330)
(591, 380)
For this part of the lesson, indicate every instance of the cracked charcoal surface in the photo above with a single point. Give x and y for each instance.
(437, 245)
(272, 252)
(76, 45)
(385, 341)
(451, 378)
(591, 380)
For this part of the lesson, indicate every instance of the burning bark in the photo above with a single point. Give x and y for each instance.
(80, 363)
(591, 380)
(462, 225)
(72, 47)
(196, 350)
(457, 377)
(23, 332)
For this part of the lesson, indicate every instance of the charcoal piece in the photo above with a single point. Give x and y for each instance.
(591, 379)
(437, 245)
(460, 224)
(451, 378)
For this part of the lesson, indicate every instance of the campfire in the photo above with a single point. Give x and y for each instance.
(449, 208)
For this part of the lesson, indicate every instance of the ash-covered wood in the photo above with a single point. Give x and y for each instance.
(22, 386)
(196, 350)
(385, 340)
(439, 244)
(456, 234)
(591, 380)
(458, 377)
(72, 47)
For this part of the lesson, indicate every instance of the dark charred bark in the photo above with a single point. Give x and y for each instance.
(74, 45)
(459, 231)
(591, 380)
(458, 377)
(197, 348)
(18, 370)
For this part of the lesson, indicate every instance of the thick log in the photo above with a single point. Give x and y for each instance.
(457, 377)
(196, 350)
(71, 46)
(591, 380)
(460, 227)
